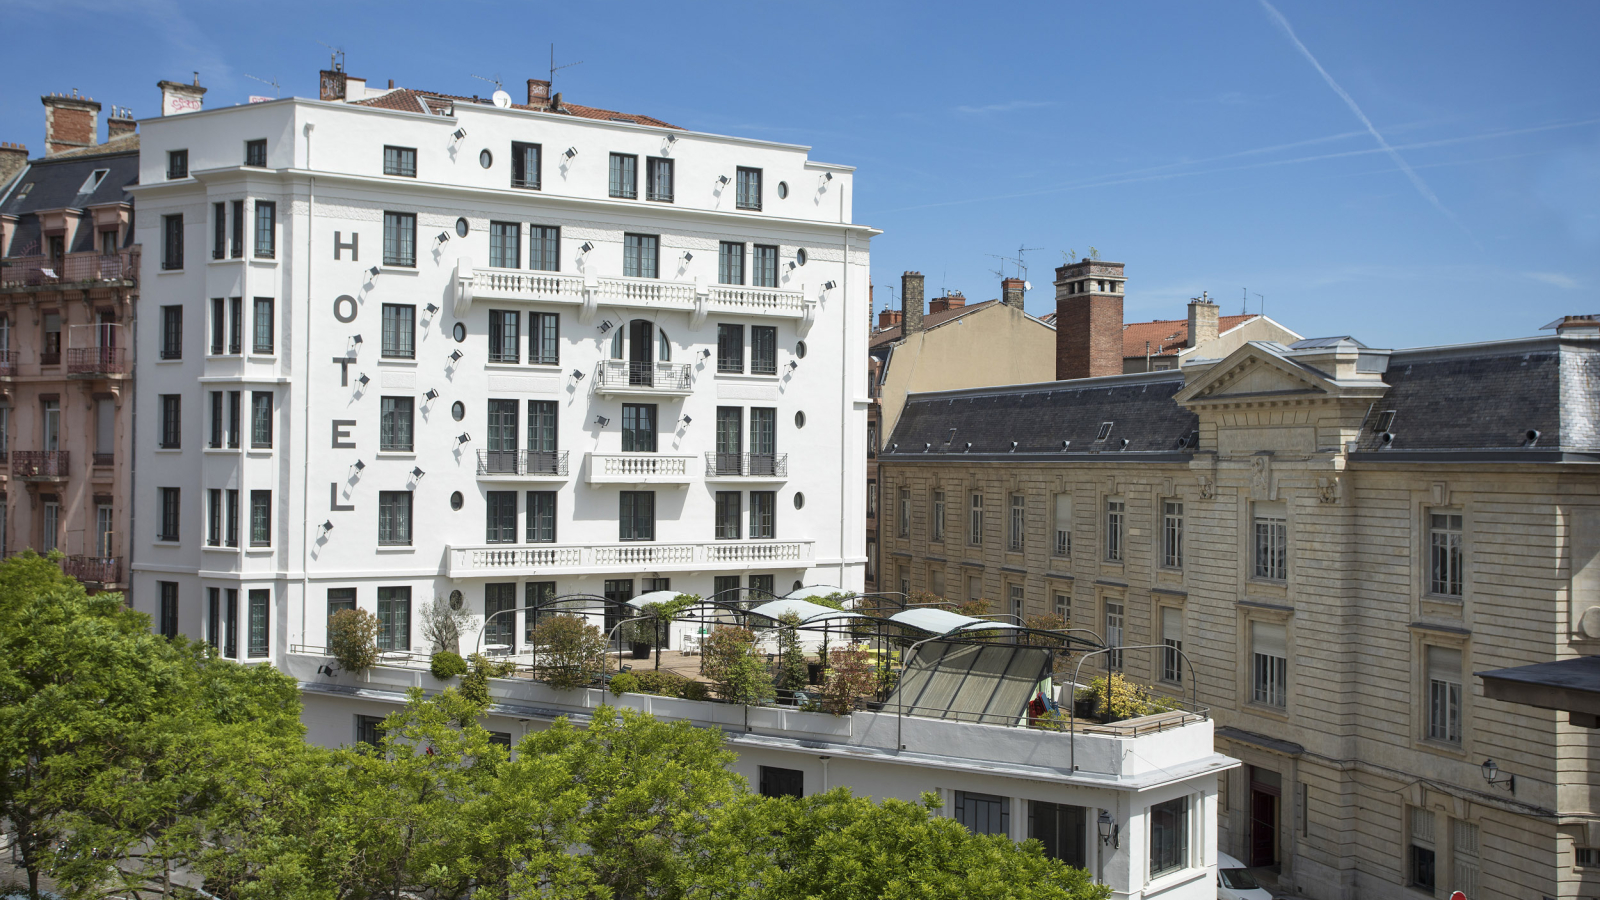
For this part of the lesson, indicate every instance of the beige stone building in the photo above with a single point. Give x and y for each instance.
(1324, 543)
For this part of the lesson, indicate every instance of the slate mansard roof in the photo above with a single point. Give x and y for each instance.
(55, 182)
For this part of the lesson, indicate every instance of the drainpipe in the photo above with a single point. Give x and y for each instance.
(824, 772)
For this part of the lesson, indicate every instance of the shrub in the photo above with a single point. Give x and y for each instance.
(569, 652)
(734, 665)
(475, 684)
(669, 684)
(624, 683)
(792, 659)
(353, 639)
(851, 676)
(446, 664)
(1120, 698)
(443, 622)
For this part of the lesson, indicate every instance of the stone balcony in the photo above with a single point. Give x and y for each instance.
(638, 468)
(519, 560)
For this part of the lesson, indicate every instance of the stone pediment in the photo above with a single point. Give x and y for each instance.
(1253, 371)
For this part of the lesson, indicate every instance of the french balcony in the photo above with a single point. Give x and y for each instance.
(96, 362)
(746, 466)
(39, 465)
(522, 465)
(505, 560)
(8, 363)
(656, 379)
(46, 273)
(93, 569)
(637, 468)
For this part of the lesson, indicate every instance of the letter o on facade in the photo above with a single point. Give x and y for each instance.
(339, 308)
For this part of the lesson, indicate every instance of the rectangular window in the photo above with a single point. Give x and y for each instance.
(542, 427)
(1172, 645)
(260, 609)
(1169, 836)
(266, 230)
(219, 326)
(975, 520)
(172, 332)
(394, 616)
(230, 518)
(1019, 523)
(658, 179)
(261, 419)
(1269, 650)
(1445, 554)
(236, 240)
(749, 188)
(172, 242)
(340, 599)
(401, 161)
(505, 245)
(624, 176)
(1420, 862)
(1444, 694)
(394, 518)
(1063, 608)
(1018, 604)
(1062, 545)
(395, 424)
(763, 506)
(235, 426)
(216, 421)
(51, 527)
(1114, 633)
(776, 782)
(544, 254)
(169, 608)
(399, 331)
(1464, 852)
(400, 239)
(730, 349)
(729, 515)
(171, 421)
(983, 813)
(260, 518)
(255, 153)
(1116, 510)
(214, 517)
(764, 266)
(730, 263)
(50, 354)
(230, 623)
(637, 516)
(505, 336)
(369, 730)
(214, 618)
(261, 331)
(235, 325)
(1271, 541)
(938, 515)
(763, 440)
(500, 631)
(177, 164)
(541, 517)
(219, 230)
(638, 427)
(902, 512)
(501, 524)
(1172, 534)
(534, 595)
(641, 255)
(763, 350)
(525, 165)
(169, 514)
(544, 330)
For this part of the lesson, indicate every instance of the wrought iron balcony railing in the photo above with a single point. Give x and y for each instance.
(747, 465)
(74, 268)
(522, 462)
(93, 569)
(624, 376)
(43, 465)
(96, 361)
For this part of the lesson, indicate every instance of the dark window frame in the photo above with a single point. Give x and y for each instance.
(748, 188)
(658, 169)
(520, 151)
(266, 229)
(172, 242)
(544, 248)
(177, 164)
(541, 524)
(505, 245)
(728, 523)
(764, 265)
(396, 414)
(500, 517)
(392, 345)
(172, 332)
(399, 161)
(639, 421)
(623, 181)
(260, 518)
(171, 422)
(263, 330)
(171, 524)
(636, 516)
(763, 350)
(730, 262)
(544, 339)
(255, 153)
(730, 338)
(641, 255)
(400, 239)
(394, 529)
(261, 403)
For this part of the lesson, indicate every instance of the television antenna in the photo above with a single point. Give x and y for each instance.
(336, 58)
(494, 81)
(555, 68)
(1020, 261)
(276, 91)
(1263, 300)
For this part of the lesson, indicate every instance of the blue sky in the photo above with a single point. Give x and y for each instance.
(1411, 174)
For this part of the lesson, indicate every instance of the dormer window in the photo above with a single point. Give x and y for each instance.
(93, 181)
(1384, 422)
(1105, 431)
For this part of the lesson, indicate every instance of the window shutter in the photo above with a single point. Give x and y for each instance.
(1171, 624)
(1268, 639)
(1063, 512)
(1444, 664)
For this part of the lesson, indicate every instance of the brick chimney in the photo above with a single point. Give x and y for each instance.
(911, 302)
(538, 93)
(1089, 319)
(888, 318)
(177, 97)
(952, 300)
(69, 122)
(120, 123)
(1012, 290)
(12, 158)
(1203, 325)
(330, 85)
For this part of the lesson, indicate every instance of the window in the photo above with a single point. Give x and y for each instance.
(1172, 534)
(1063, 608)
(266, 230)
(525, 167)
(236, 241)
(1464, 851)
(1420, 868)
(369, 730)
(903, 513)
(235, 325)
(1018, 604)
(505, 245)
(505, 336)
(658, 179)
(1444, 554)
(641, 255)
(401, 161)
(1271, 541)
(219, 326)
(545, 248)
(763, 440)
(1062, 545)
(399, 331)
(763, 350)
(1114, 634)
(255, 153)
(394, 518)
(395, 424)
(399, 239)
(216, 421)
(749, 188)
(172, 332)
(1169, 836)
(1270, 668)
(975, 520)
(938, 514)
(260, 518)
(638, 427)
(726, 586)
(171, 421)
(974, 587)
(52, 424)
(500, 630)
(776, 782)
(50, 355)
(543, 331)
(51, 526)
(1116, 510)
(730, 349)
(1019, 518)
(872, 559)
(172, 242)
(624, 176)
(1444, 694)
(1104, 432)
(230, 623)
(501, 526)
(219, 230)
(340, 599)
(729, 515)
(1172, 645)
(541, 517)
(542, 426)
(261, 330)
(872, 498)
(763, 506)
(260, 606)
(168, 497)
(1585, 857)
(983, 813)
(764, 266)
(394, 616)
(261, 419)
(177, 164)
(234, 425)
(214, 517)
(730, 263)
(169, 608)
(230, 518)
(534, 595)
(637, 516)
(214, 618)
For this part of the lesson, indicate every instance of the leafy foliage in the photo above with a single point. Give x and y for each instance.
(445, 664)
(851, 677)
(624, 683)
(1119, 698)
(791, 657)
(735, 666)
(671, 684)
(475, 684)
(569, 652)
(443, 624)
(353, 639)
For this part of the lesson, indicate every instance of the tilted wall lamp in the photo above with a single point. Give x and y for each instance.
(1491, 774)
(431, 394)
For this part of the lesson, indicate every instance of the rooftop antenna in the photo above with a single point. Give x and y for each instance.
(555, 68)
(276, 91)
(336, 58)
(1263, 300)
(1003, 260)
(1022, 261)
(494, 81)
(1244, 304)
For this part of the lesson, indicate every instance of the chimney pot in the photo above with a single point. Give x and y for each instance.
(1012, 291)
(538, 92)
(911, 302)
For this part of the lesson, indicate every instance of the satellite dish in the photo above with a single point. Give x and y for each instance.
(502, 99)
(1027, 285)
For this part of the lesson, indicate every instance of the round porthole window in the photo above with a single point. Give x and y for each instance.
(460, 331)
(800, 349)
(783, 191)
(799, 500)
(800, 256)
(456, 500)
(462, 227)
(485, 158)
(458, 410)
(455, 596)
(799, 420)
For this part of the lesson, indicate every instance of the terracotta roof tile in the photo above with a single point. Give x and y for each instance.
(410, 100)
(931, 320)
(1166, 336)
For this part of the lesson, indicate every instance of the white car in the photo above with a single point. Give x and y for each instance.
(1234, 881)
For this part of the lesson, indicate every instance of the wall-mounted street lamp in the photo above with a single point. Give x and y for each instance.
(1492, 774)
(1109, 830)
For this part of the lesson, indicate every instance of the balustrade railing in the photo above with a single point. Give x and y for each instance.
(644, 554)
(642, 464)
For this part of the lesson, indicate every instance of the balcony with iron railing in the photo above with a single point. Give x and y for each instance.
(637, 468)
(533, 465)
(39, 465)
(746, 466)
(93, 569)
(503, 560)
(8, 363)
(621, 376)
(47, 273)
(96, 362)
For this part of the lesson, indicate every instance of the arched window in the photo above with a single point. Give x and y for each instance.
(665, 354)
(616, 344)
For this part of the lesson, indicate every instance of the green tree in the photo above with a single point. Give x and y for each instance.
(568, 652)
(735, 667)
(791, 656)
(353, 639)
